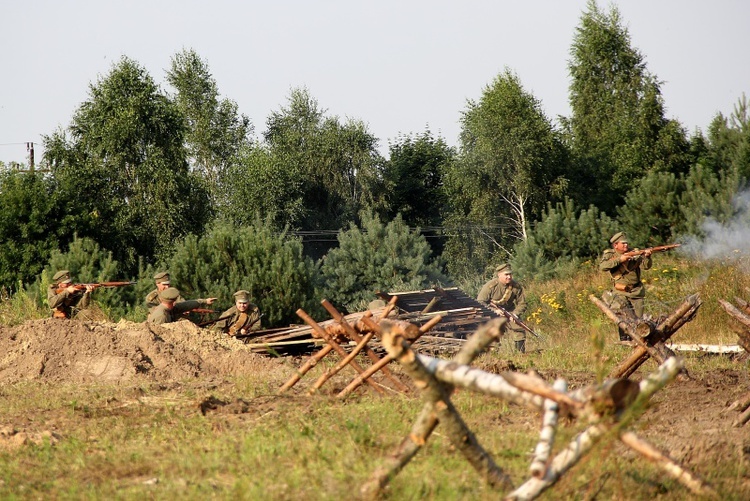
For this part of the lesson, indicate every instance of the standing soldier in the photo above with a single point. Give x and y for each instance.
(162, 282)
(65, 299)
(508, 294)
(627, 289)
(240, 319)
(169, 310)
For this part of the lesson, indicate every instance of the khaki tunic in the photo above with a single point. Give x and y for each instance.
(627, 289)
(161, 315)
(152, 299)
(233, 321)
(626, 277)
(65, 303)
(510, 297)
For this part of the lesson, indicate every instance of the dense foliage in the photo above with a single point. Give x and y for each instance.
(377, 257)
(150, 180)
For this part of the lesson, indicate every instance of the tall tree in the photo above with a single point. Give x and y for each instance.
(618, 128)
(335, 167)
(34, 222)
(414, 176)
(125, 165)
(511, 161)
(215, 130)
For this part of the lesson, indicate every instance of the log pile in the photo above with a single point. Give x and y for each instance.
(741, 313)
(607, 410)
(650, 337)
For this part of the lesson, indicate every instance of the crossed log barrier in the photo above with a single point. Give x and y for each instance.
(361, 333)
(650, 337)
(741, 313)
(609, 408)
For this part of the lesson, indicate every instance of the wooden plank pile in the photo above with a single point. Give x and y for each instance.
(460, 316)
(607, 410)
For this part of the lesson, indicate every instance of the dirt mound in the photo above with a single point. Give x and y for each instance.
(80, 351)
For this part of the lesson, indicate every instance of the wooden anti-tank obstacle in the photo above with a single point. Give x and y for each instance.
(609, 409)
(741, 313)
(650, 337)
(360, 332)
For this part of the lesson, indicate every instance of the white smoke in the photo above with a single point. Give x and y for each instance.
(728, 241)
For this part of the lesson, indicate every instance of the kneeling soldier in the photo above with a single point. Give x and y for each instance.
(240, 319)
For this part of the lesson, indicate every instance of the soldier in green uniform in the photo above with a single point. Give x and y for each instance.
(627, 289)
(162, 282)
(505, 292)
(169, 310)
(64, 299)
(240, 319)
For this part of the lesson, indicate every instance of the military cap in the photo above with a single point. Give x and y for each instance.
(61, 276)
(162, 278)
(169, 294)
(618, 237)
(505, 268)
(242, 296)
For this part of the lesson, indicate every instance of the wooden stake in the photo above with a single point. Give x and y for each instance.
(352, 334)
(334, 370)
(666, 463)
(311, 362)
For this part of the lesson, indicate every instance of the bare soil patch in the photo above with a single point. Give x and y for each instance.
(59, 350)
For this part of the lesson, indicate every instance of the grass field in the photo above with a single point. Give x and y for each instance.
(233, 438)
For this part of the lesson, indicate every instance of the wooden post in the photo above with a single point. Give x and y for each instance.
(311, 362)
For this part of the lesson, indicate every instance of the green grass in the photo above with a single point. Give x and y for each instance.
(152, 440)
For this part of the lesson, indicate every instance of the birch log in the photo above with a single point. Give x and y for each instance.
(543, 448)
(586, 440)
(427, 420)
(459, 434)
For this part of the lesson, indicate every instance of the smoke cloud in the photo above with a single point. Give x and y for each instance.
(724, 241)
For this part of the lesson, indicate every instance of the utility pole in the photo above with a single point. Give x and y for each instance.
(30, 149)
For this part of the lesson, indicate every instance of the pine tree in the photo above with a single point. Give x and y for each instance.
(268, 264)
(376, 257)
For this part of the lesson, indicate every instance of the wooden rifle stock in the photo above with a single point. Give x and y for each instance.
(512, 316)
(659, 248)
(82, 287)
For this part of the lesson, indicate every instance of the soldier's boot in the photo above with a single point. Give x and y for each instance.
(520, 345)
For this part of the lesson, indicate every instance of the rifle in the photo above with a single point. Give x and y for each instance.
(83, 287)
(248, 333)
(512, 316)
(659, 248)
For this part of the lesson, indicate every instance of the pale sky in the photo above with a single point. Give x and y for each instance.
(399, 66)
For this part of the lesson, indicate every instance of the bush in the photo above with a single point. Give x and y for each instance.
(561, 240)
(270, 265)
